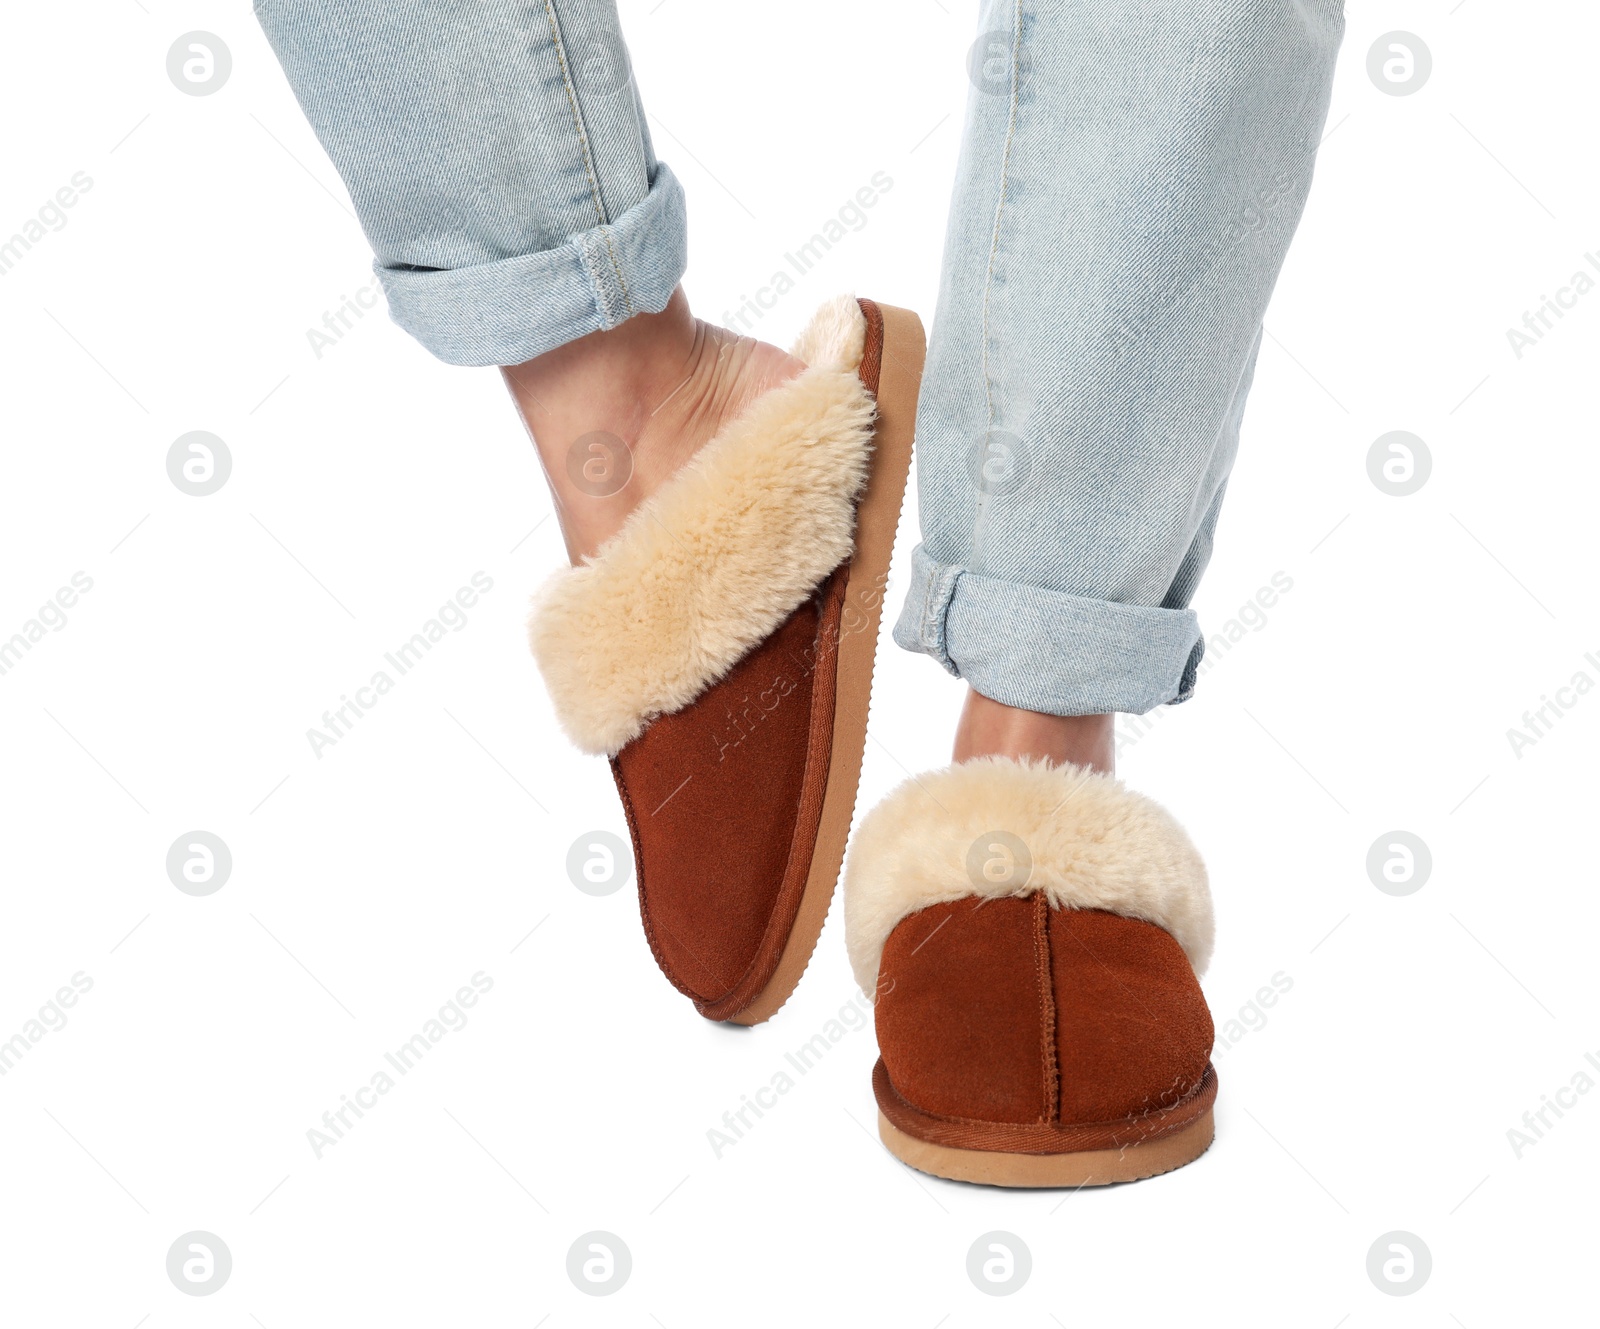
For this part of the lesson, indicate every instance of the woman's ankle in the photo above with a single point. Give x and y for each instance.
(614, 414)
(989, 728)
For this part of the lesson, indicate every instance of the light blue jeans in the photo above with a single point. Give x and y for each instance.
(1131, 174)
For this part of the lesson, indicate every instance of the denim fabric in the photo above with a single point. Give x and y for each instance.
(1130, 177)
(499, 161)
(1129, 180)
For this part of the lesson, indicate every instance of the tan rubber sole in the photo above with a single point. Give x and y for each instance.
(877, 519)
(1089, 1167)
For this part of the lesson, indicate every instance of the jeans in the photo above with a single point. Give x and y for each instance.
(1130, 176)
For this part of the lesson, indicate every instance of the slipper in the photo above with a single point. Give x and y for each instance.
(719, 650)
(1033, 935)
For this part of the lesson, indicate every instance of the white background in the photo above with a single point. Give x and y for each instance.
(369, 885)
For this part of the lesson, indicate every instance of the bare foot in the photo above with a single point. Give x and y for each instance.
(988, 728)
(615, 414)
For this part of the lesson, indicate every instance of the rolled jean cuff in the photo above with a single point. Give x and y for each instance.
(505, 312)
(1049, 651)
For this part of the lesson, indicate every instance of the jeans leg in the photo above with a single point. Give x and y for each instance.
(1130, 177)
(499, 161)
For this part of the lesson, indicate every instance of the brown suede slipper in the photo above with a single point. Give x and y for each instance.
(1032, 934)
(719, 651)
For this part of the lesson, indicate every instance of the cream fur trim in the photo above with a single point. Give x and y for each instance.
(719, 556)
(1093, 844)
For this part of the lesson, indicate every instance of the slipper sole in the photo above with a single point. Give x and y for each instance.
(1047, 1154)
(892, 368)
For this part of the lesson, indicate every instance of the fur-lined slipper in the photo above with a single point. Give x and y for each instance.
(719, 651)
(1032, 936)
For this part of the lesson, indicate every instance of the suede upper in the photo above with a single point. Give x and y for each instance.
(992, 827)
(1012, 1011)
(737, 786)
(721, 800)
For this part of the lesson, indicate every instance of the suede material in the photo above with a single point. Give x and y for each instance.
(713, 794)
(960, 1011)
(1133, 1033)
(1012, 1011)
(725, 796)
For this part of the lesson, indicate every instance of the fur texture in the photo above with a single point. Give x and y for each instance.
(1094, 844)
(719, 556)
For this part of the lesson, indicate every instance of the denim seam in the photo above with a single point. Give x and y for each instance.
(981, 504)
(940, 596)
(594, 182)
(1191, 671)
(622, 277)
(594, 267)
(932, 629)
